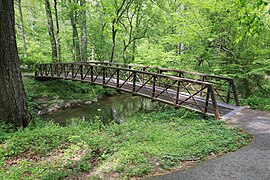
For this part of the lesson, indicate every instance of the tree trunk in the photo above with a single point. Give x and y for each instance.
(57, 32)
(13, 106)
(114, 31)
(22, 28)
(75, 37)
(83, 31)
(180, 48)
(51, 29)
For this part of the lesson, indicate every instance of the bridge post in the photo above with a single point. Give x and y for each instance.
(117, 78)
(154, 87)
(134, 82)
(177, 92)
(214, 102)
(81, 71)
(72, 71)
(104, 74)
(92, 73)
(207, 100)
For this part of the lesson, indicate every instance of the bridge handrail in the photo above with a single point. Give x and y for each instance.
(144, 72)
(159, 68)
(202, 75)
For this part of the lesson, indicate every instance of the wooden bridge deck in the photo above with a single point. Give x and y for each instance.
(180, 92)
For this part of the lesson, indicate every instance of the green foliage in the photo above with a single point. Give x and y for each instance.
(140, 145)
(219, 37)
(260, 99)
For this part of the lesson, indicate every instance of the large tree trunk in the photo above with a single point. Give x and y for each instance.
(76, 45)
(51, 29)
(22, 27)
(83, 31)
(57, 32)
(75, 37)
(13, 106)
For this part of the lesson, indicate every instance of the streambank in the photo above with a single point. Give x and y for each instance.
(50, 96)
(51, 107)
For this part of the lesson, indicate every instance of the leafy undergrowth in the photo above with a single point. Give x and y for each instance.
(260, 99)
(42, 94)
(144, 144)
(258, 102)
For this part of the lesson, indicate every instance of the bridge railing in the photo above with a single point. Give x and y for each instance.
(224, 87)
(176, 91)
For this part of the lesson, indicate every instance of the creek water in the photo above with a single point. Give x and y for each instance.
(115, 108)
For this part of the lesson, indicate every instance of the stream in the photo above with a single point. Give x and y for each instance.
(108, 108)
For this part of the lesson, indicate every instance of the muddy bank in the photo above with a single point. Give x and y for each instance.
(50, 107)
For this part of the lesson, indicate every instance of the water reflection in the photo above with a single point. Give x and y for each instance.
(108, 108)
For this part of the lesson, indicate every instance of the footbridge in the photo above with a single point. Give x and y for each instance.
(204, 93)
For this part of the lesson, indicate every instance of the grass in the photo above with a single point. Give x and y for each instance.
(144, 144)
(43, 95)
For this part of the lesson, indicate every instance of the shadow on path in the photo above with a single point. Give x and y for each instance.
(250, 162)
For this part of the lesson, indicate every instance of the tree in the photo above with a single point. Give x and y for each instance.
(22, 27)
(119, 8)
(51, 29)
(13, 107)
(135, 25)
(76, 50)
(83, 31)
(57, 31)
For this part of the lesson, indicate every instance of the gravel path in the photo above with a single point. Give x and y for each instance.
(250, 162)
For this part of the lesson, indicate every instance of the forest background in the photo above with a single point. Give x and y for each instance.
(229, 38)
